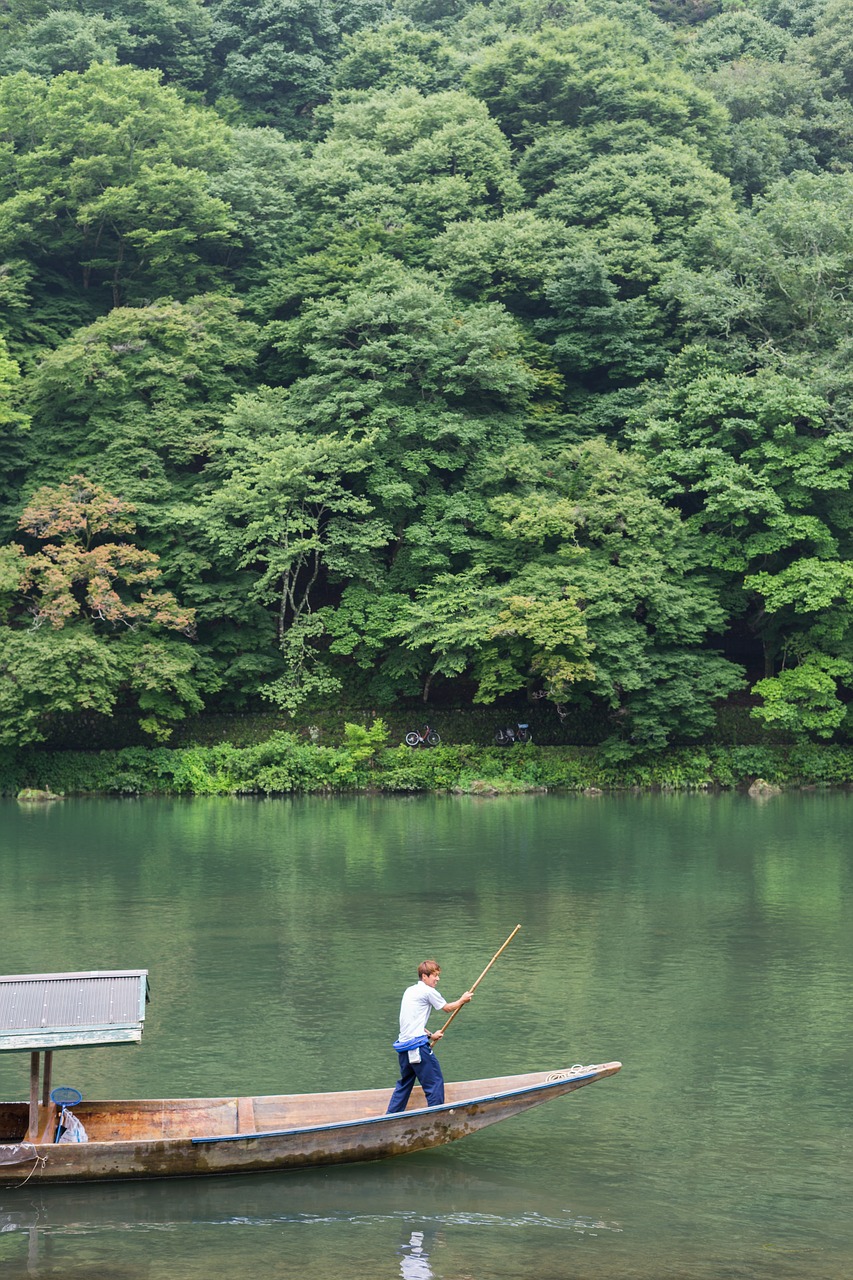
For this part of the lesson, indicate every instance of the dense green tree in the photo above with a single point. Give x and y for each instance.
(668, 186)
(782, 119)
(808, 613)
(593, 73)
(764, 481)
(633, 217)
(429, 158)
(797, 16)
(735, 36)
(393, 170)
(537, 16)
(105, 181)
(585, 589)
(508, 259)
(779, 272)
(136, 400)
(432, 383)
(400, 355)
(397, 55)
(171, 36)
(38, 308)
(262, 187)
(595, 335)
(803, 699)
(286, 510)
(136, 397)
(275, 57)
(429, 13)
(686, 12)
(831, 46)
(587, 528)
(13, 426)
(504, 635)
(463, 451)
(63, 40)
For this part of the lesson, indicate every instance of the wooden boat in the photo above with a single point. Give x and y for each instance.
(187, 1137)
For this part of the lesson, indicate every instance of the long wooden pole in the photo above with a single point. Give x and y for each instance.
(481, 977)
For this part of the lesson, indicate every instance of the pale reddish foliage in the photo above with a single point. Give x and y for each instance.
(70, 576)
(79, 509)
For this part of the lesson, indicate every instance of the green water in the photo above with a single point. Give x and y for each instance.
(705, 941)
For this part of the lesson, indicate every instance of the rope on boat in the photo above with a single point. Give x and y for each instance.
(37, 1160)
(576, 1069)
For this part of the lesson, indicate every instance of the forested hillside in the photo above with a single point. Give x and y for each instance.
(356, 352)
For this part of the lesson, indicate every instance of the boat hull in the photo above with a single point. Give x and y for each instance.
(202, 1137)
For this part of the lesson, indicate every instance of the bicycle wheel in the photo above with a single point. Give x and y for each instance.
(432, 738)
(412, 739)
(501, 739)
(523, 735)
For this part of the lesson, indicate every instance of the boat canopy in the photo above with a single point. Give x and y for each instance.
(46, 1011)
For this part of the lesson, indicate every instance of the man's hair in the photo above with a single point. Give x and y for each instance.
(427, 967)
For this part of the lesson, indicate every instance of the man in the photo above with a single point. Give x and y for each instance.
(414, 1047)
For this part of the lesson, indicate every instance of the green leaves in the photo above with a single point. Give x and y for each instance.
(275, 55)
(588, 530)
(587, 73)
(778, 272)
(136, 395)
(763, 481)
(749, 460)
(107, 172)
(804, 699)
(467, 622)
(285, 510)
(44, 672)
(461, 439)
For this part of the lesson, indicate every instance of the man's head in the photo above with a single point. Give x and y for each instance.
(429, 972)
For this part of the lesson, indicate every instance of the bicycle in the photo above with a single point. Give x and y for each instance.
(429, 738)
(509, 735)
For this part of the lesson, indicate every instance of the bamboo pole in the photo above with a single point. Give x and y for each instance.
(480, 979)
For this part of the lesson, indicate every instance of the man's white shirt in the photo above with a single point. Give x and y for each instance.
(417, 1004)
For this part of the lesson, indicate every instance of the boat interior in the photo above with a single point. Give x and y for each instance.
(172, 1118)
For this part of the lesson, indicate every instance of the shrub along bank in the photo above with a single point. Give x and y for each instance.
(287, 764)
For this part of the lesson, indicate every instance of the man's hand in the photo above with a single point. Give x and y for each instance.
(465, 997)
(435, 1035)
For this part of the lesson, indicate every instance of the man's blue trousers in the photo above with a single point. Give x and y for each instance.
(427, 1071)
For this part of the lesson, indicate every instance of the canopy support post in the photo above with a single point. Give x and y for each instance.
(32, 1132)
(48, 1066)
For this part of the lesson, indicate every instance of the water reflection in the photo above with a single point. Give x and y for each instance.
(414, 1264)
(196, 1226)
(441, 1192)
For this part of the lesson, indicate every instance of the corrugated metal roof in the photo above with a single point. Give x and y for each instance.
(67, 1010)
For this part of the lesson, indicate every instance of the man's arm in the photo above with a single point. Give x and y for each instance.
(453, 1005)
(450, 1007)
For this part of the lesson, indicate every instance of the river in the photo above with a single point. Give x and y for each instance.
(705, 941)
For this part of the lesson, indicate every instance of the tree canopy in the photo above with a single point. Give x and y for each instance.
(373, 352)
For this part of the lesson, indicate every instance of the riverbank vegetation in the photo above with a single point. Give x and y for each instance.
(450, 353)
(364, 763)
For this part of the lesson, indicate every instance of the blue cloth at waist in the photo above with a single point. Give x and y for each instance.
(402, 1046)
